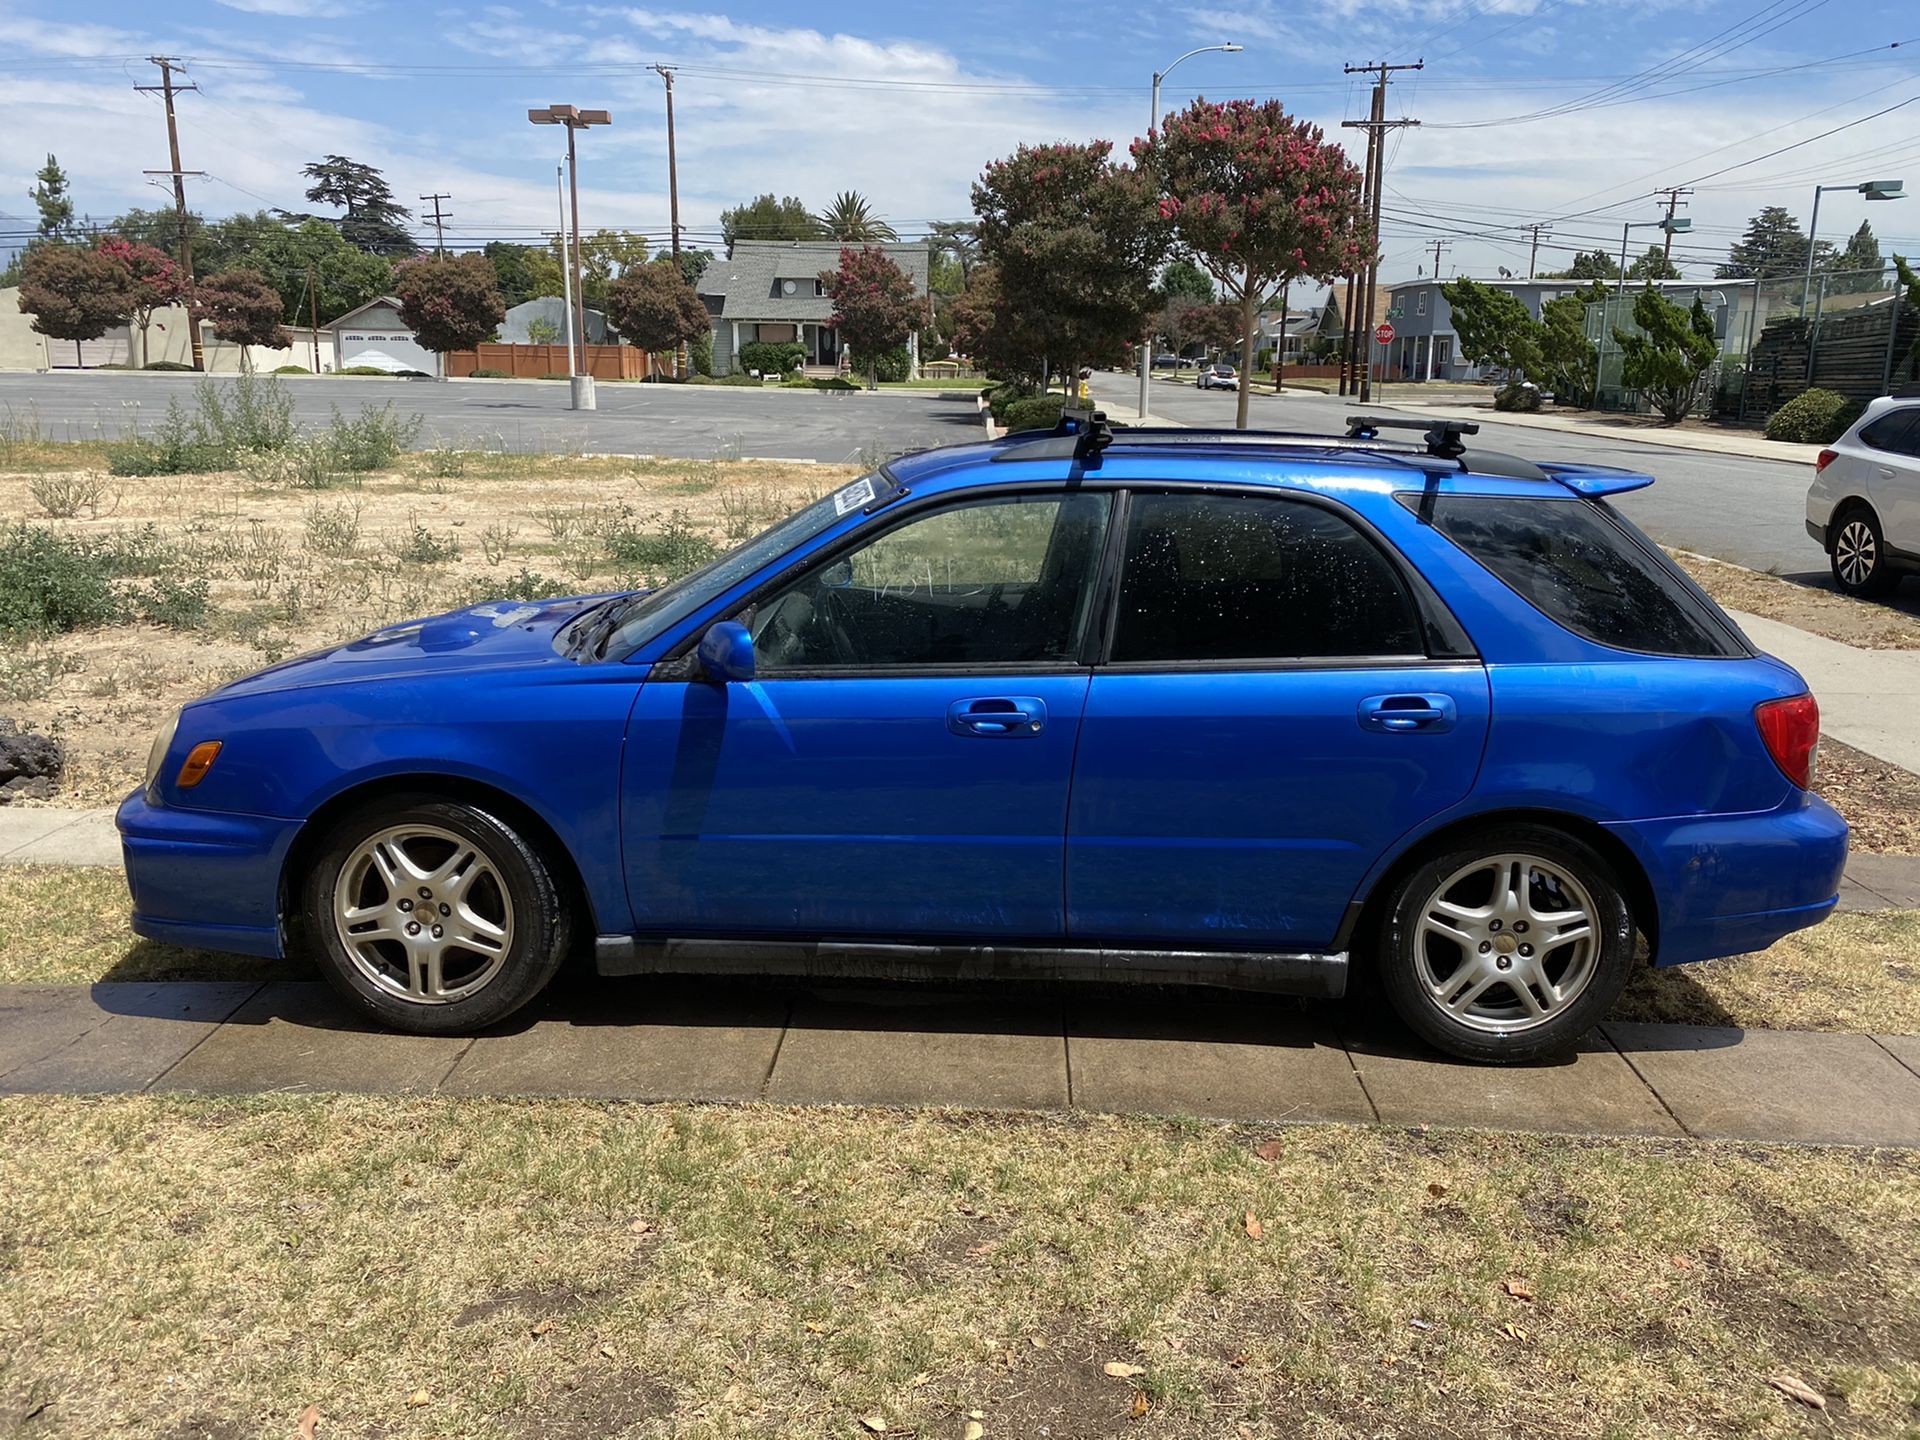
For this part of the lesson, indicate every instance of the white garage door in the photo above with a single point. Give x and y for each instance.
(400, 344)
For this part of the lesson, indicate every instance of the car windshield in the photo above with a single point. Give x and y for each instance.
(639, 618)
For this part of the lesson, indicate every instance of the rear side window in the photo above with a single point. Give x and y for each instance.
(1579, 564)
(1897, 431)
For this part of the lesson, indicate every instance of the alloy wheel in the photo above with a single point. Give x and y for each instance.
(1854, 552)
(423, 913)
(1506, 943)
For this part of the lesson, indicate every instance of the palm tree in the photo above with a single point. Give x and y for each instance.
(850, 219)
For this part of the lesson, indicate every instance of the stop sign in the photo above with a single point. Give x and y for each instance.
(1383, 333)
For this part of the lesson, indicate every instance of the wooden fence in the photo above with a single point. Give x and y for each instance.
(533, 362)
(1849, 355)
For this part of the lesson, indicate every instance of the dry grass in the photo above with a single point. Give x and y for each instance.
(1872, 624)
(291, 569)
(1880, 801)
(425, 1268)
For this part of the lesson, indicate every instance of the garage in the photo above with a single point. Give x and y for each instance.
(374, 335)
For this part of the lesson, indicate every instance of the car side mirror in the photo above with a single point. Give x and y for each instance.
(726, 652)
(837, 576)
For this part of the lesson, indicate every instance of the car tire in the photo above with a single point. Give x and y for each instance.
(1857, 551)
(454, 873)
(1462, 956)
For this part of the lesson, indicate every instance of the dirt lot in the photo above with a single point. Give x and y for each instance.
(1873, 624)
(290, 569)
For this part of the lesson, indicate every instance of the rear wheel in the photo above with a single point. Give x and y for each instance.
(433, 917)
(1857, 550)
(1508, 945)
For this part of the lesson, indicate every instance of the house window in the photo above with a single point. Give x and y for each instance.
(819, 288)
(1420, 303)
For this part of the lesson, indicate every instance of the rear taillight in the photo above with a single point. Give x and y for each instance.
(1824, 459)
(1791, 730)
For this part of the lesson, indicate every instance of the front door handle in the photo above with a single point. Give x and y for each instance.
(1400, 714)
(1006, 717)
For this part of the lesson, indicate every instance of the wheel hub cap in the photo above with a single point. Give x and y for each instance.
(424, 914)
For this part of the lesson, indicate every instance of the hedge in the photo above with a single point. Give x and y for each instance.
(1036, 412)
(1813, 417)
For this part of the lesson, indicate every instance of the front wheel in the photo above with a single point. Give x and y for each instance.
(433, 917)
(1508, 945)
(1857, 550)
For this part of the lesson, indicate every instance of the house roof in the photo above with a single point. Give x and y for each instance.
(743, 282)
(392, 302)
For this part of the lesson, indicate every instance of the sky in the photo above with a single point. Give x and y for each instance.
(1568, 112)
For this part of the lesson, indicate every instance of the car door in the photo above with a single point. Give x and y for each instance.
(1267, 723)
(899, 766)
(1891, 457)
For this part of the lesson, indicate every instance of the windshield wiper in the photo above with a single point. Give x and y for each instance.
(592, 629)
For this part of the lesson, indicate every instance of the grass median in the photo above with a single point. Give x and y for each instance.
(417, 1268)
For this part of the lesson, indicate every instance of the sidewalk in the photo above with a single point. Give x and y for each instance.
(657, 1040)
(1868, 698)
(1751, 445)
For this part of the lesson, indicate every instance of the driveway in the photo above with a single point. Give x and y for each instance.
(685, 421)
(1751, 512)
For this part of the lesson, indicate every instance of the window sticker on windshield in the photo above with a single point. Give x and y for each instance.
(859, 493)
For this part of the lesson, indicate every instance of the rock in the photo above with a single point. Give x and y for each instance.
(30, 764)
(27, 787)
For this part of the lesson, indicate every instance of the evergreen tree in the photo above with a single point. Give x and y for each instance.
(1860, 266)
(1774, 246)
(1587, 265)
(767, 217)
(55, 203)
(373, 218)
(1654, 265)
(1184, 280)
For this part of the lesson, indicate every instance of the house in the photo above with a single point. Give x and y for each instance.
(771, 290)
(1304, 329)
(374, 334)
(517, 328)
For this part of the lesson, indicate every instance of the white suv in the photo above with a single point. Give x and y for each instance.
(1864, 504)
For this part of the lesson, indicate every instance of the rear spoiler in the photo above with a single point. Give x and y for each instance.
(1596, 482)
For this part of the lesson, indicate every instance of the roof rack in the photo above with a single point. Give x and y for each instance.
(1443, 436)
(1081, 435)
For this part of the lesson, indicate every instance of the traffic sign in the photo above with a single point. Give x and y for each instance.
(1384, 334)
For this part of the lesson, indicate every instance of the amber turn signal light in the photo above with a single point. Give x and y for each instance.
(199, 760)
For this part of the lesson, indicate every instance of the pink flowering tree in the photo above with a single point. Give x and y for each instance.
(153, 280)
(875, 305)
(1260, 198)
(1075, 241)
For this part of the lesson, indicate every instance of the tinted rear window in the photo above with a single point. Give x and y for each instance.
(1581, 565)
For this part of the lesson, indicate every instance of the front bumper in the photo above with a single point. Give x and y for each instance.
(1732, 884)
(205, 879)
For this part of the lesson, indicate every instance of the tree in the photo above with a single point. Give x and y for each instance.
(1587, 265)
(693, 263)
(1184, 280)
(55, 204)
(1654, 265)
(1261, 199)
(450, 301)
(373, 218)
(983, 326)
(158, 228)
(1905, 279)
(1567, 357)
(1773, 246)
(73, 294)
(850, 220)
(654, 307)
(605, 256)
(766, 218)
(523, 272)
(957, 240)
(876, 305)
(1859, 267)
(1493, 326)
(152, 280)
(244, 310)
(344, 277)
(1669, 353)
(1074, 240)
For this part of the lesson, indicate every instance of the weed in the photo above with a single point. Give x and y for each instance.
(253, 412)
(658, 555)
(64, 496)
(175, 604)
(260, 555)
(373, 441)
(496, 540)
(524, 584)
(745, 512)
(49, 583)
(421, 546)
(443, 462)
(137, 552)
(29, 672)
(333, 530)
(563, 522)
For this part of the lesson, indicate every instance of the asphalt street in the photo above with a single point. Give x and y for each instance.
(689, 422)
(1752, 512)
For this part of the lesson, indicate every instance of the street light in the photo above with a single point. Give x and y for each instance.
(1672, 227)
(1872, 189)
(574, 119)
(1153, 121)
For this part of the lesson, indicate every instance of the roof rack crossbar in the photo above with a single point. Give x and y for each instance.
(1080, 436)
(1443, 436)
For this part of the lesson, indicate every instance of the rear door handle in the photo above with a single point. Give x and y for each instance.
(1399, 714)
(1006, 717)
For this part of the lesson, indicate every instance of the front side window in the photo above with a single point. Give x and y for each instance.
(1243, 577)
(1580, 564)
(995, 582)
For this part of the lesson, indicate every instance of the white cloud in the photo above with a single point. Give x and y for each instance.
(294, 9)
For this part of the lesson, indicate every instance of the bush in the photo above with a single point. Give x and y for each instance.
(49, 583)
(1001, 398)
(657, 556)
(526, 585)
(772, 357)
(247, 415)
(364, 370)
(291, 370)
(373, 441)
(737, 377)
(893, 366)
(175, 604)
(166, 365)
(1517, 395)
(1813, 417)
(1036, 412)
(485, 373)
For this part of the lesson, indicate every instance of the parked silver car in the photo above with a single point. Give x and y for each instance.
(1864, 504)
(1219, 377)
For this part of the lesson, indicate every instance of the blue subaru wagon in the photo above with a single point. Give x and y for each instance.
(1242, 709)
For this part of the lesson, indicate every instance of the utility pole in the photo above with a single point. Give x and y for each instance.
(313, 311)
(1533, 251)
(1376, 128)
(1673, 194)
(1438, 246)
(665, 72)
(168, 89)
(439, 222)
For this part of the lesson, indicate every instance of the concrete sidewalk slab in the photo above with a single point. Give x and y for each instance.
(25, 835)
(1894, 878)
(597, 1042)
(843, 1052)
(1727, 1084)
(1904, 1048)
(1867, 697)
(36, 1020)
(300, 1036)
(1595, 1092)
(142, 1032)
(1276, 1067)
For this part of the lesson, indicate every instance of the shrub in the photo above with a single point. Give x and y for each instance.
(771, 357)
(488, 373)
(364, 370)
(525, 585)
(1001, 398)
(1517, 395)
(49, 583)
(333, 530)
(1035, 412)
(1813, 417)
(421, 546)
(893, 365)
(176, 604)
(375, 440)
(291, 370)
(737, 377)
(64, 495)
(166, 365)
(657, 555)
(249, 414)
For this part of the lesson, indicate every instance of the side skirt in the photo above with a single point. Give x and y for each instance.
(1320, 975)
